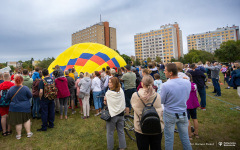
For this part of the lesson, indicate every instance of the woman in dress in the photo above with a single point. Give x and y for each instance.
(20, 107)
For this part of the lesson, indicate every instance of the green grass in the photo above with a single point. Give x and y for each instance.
(218, 123)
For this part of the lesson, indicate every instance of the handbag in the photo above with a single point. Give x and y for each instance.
(81, 95)
(105, 114)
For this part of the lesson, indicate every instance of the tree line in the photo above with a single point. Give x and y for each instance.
(228, 52)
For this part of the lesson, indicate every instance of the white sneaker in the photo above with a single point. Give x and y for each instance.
(73, 112)
(18, 137)
(29, 134)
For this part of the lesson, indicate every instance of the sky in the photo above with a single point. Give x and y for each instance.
(43, 28)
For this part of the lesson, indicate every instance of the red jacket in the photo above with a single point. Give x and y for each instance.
(6, 85)
(62, 86)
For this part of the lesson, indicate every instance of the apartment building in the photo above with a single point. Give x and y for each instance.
(165, 42)
(97, 33)
(211, 40)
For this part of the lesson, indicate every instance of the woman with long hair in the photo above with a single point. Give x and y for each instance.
(20, 107)
(147, 95)
(115, 101)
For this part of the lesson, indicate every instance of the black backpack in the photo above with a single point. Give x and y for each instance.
(150, 121)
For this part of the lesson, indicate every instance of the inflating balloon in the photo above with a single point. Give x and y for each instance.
(87, 57)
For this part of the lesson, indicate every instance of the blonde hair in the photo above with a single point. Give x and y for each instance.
(147, 81)
(179, 66)
(6, 76)
(147, 71)
(86, 74)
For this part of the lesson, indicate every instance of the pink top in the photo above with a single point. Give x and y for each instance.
(77, 87)
(192, 102)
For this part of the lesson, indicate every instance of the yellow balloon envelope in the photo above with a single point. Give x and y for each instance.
(87, 57)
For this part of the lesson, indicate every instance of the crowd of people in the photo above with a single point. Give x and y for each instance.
(171, 89)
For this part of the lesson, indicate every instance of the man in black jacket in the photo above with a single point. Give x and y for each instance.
(71, 85)
(199, 79)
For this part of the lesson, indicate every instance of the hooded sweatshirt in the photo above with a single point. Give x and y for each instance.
(35, 75)
(62, 86)
(85, 85)
(27, 81)
(138, 106)
(115, 102)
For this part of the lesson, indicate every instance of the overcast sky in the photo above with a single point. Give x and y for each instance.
(43, 28)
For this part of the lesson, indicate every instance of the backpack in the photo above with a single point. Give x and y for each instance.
(3, 101)
(150, 120)
(35, 91)
(50, 90)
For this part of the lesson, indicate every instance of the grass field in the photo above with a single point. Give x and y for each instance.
(219, 123)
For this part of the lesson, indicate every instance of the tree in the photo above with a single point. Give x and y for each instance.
(137, 62)
(195, 56)
(45, 62)
(229, 51)
(12, 68)
(149, 60)
(126, 58)
(158, 59)
(173, 59)
(117, 51)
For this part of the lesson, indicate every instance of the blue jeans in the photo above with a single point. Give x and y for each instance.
(227, 79)
(170, 120)
(102, 98)
(36, 106)
(216, 86)
(202, 93)
(47, 113)
(97, 99)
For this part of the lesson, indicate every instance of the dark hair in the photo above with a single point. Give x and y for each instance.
(37, 69)
(25, 72)
(192, 66)
(108, 68)
(103, 69)
(56, 73)
(116, 84)
(108, 73)
(123, 69)
(18, 79)
(189, 75)
(45, 72)
(40, 74)
(73, 70)
(172, 67)
(150, 66)
(97, 74)
(119, 71)
(156, 76)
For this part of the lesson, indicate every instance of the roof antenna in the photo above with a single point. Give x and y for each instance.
(100, 18)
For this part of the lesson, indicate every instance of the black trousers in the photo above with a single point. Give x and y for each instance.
(144, 141)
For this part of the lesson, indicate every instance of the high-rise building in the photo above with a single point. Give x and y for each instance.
(165, 43)
(97, 33)
(211, 40)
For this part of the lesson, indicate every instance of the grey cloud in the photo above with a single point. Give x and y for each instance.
(43, 29)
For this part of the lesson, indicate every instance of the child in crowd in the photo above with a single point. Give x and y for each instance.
(192, 105)
(158, 82)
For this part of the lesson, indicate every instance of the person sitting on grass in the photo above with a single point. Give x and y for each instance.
(192, 105)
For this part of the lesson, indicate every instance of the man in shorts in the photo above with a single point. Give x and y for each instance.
(129, 80)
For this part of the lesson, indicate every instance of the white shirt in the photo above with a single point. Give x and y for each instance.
(96, 85)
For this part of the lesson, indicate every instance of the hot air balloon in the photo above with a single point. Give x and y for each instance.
(87, 57)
